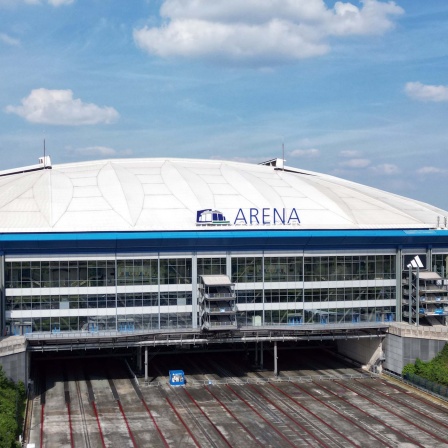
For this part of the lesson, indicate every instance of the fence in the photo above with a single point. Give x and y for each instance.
(423, 383)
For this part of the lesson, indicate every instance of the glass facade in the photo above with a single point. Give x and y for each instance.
(440, 264)
(211, 266)
(156, 292)
(367, 267)
(247, 269)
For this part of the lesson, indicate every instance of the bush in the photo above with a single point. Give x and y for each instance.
(435, 370)
(12, 405)
(408, 369)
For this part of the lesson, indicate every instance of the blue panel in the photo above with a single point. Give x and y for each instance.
(242, 239)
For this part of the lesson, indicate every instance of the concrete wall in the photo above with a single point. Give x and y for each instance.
(14, 359)
(400, 351)
(15, 366)
(403, 345)
(365, 351)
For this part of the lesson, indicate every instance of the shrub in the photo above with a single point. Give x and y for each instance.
(435, 370)
(12, 403)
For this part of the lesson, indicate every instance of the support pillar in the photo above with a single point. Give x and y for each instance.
(2, 297)
(261, 354)
(411, 295)
(146, 363)
(194, 293)
(417, 297)
(256, 353)
(139, 359)
(275, 359)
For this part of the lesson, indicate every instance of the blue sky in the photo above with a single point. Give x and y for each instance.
(353, 89)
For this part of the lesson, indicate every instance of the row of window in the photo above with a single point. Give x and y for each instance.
(122, 323)
(297, 316)
(440, 264)
(41, 274)
(47, 274)
(315, 295)
(97, 301)
(185, 298)
(349, 268)
(138, 322)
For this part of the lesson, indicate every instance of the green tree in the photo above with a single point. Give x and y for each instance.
(12, 405)
(408, 369)
(435, 370)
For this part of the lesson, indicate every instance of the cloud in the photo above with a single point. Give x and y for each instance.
(58, 107)
(60, 2)
(259, 31)
(9, 40)
(355, 163)
(385, 169)
(99, 151)
(305, 153)
(349, 153)
(431, 170)
(422, 92)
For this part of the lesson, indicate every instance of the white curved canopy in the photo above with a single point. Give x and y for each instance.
(166, 194)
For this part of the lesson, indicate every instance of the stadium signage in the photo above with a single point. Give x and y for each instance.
(267, 216)
(249, 217)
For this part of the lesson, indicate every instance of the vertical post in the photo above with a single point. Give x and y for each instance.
(275, 359)
(158, 290)
(262, 289)
(256, 353)
(146, 363)
(410, 295)
(194, 292)
(261, 354)
(139, 359)
(399, 285)
(417, 296)
(2, 296)
(116, 291)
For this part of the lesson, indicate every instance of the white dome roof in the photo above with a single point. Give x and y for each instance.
(166, 194)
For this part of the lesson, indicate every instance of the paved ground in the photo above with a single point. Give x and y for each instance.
(317, 400)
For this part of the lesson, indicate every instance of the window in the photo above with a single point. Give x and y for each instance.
(175, 271)
(247, 269)
(211, 266)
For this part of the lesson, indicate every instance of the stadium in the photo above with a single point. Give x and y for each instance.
(136, 252)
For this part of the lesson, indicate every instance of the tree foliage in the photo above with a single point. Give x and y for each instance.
(435, 370)
(12, 399)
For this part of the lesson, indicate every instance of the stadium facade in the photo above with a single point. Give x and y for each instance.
(123, 246)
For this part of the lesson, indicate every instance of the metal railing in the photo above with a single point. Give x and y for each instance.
(427, 385)
(86, 334)
(220, 295)
(221, 324)
(221, 309)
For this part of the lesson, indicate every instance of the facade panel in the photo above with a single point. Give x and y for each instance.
(126, 252)
(146, 294)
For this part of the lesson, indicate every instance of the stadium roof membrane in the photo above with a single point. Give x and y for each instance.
(167, 194)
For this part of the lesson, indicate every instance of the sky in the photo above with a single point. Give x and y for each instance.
(354, 89)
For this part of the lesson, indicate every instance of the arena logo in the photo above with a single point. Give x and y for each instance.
(209, 217)
(251, 216)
